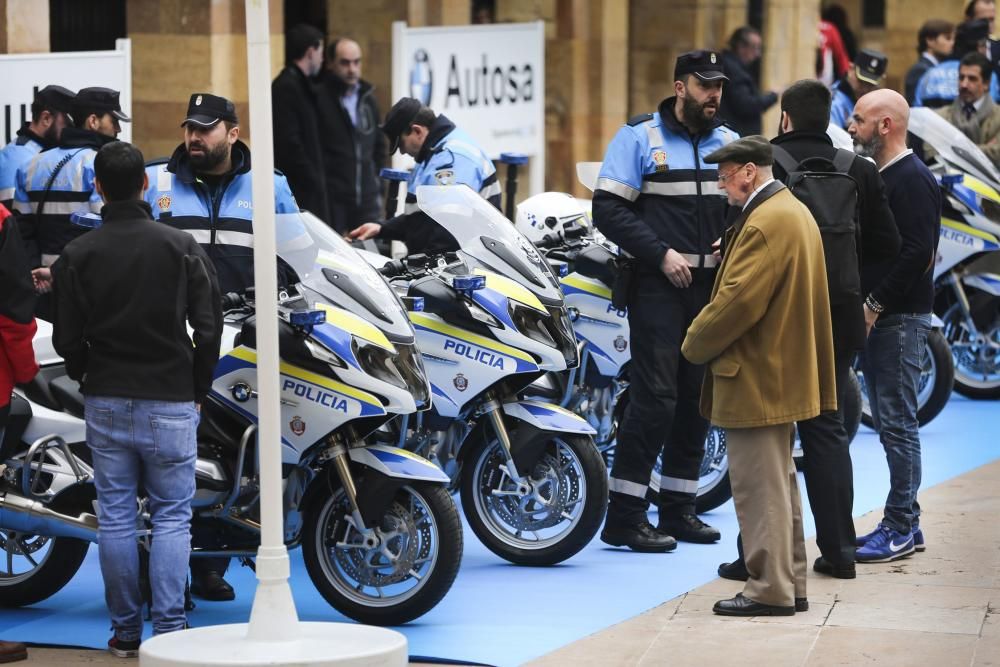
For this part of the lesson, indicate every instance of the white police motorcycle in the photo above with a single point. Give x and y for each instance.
(967, 267)
(380, 534)
(533, 485)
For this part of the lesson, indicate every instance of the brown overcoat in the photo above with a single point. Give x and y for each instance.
(766, 333)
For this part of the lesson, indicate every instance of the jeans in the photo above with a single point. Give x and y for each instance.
(152, 443)
(892, 362)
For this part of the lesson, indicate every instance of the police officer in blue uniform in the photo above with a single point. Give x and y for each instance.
(445, 155)
(205, 189)
(49, 116)
(938, 86)
(660, 202)
(864, 76)
(60, 181)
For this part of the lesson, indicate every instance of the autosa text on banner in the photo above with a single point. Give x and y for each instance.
(24, 73)
(489, 80)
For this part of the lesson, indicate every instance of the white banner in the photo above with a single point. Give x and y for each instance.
(488, 79)
(24, 73)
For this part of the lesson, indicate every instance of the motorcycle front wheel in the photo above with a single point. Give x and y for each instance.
(977, 366)
(552, 515)
(34, 567)
(395, 575)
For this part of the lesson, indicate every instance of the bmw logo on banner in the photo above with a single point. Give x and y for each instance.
(421, 77)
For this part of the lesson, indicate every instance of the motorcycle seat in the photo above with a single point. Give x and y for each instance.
(67, 392)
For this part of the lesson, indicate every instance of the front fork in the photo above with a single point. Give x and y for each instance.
(493, 410)
(955, 281)
(338, 453)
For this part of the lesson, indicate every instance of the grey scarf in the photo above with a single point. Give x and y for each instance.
(971, 127)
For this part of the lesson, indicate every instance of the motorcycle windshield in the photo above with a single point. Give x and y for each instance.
(840, 137)
(332, 271)
(953, 147)
(489, 239)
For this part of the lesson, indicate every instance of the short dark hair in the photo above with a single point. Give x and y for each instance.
(976, 59)
(119, 167)
(932, 29)
(80, 116)
(741, 36)
(37, 107)
(807, 103)
(425, 117)
(301, 38)
(970, 8)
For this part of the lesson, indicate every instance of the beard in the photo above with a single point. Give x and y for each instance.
(868, 148)
(51, 135)
(695, 116)
(210, 158)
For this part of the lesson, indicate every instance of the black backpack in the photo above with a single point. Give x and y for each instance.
(831, 195)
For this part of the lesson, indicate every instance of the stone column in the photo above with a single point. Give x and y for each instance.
(903, 19)
(180, 47)
(25, 26)
(791, 36)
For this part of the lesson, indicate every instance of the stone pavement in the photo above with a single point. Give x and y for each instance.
(940, 607)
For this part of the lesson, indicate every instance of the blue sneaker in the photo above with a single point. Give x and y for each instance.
(886, 545)
(918, 539)
(862, 540)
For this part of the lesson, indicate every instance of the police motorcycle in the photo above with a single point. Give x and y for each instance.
(380, 534)
(936, 374)
(533, 485)
(967, 267)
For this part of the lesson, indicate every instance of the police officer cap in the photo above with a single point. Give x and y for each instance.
(870, 65)
(706, 65)
(399, 119)
(205, 110)
(55, 98)
(99, 101)
(754, 148)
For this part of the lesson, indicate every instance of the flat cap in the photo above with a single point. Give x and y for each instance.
(755, 149)
(399, 119)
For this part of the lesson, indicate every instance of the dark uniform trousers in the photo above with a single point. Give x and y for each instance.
(663, 414)
(829, 473)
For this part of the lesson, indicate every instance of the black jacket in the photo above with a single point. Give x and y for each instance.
(880, 239)
(913, 77)
(353, 154)
(297, 151)
(742, 102)
(123, 293)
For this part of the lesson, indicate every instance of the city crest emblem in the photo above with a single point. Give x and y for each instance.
(712, 58)
(444, 176)
(461, 382)
(621, 343)
(297, 425)
(660, 158)
(163, 202)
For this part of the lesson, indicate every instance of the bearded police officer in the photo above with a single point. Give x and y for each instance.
(205, 190)
(659, 201)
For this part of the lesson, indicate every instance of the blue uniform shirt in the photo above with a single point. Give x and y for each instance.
(13, 156)
(938, 86)
(455, 160)
(842, 104)
(220, 218)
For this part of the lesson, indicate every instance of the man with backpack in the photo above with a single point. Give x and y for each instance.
(802, 151)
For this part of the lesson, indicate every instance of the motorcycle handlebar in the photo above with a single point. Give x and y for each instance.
(232, 301)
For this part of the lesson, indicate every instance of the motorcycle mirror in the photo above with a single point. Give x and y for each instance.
(559, 268)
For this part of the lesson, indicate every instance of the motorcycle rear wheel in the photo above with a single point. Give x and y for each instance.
(559, 515)
(420, 531)
(46, 574)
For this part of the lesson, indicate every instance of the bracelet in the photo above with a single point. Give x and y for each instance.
(874, 305)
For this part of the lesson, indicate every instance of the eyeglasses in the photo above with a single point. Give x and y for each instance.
(725, 177)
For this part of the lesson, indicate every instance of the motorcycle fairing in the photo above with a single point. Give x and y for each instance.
(958, 241)
(548, 417)
(574, 283)
(398, 463)
(603, 327)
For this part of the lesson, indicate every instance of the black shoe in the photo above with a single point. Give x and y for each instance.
(737, 570)
(801, 604)
(823, 566)
(641, 537)
(744, 606)
(688, 528)
(211, 586)
(123, 649)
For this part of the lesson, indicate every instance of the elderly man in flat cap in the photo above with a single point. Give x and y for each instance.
(767, 338)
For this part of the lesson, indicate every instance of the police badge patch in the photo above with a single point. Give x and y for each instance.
(621, 343)
(297, 425)
(660, 158)
(163, 202)
(461, 382)
(444, 176)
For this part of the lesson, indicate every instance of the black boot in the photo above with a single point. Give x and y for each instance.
(640, 537)
(210, 585)
(688, 528)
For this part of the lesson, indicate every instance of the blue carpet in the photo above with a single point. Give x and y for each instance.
(501, 614)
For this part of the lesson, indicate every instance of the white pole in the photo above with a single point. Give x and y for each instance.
(273, 616)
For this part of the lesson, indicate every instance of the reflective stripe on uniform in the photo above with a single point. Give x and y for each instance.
(617, 188)
(695, 260)
(679, 485)
(491, 190)
(627, 488)
(681, 189)
(224, 237)
(6, 193)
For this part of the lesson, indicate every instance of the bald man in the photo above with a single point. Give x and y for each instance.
(900, 297)
(354, 149)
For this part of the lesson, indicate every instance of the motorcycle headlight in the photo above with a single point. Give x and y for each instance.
(532, 323)
(563, 330)
(377, 362)
(991, 209)
(324, 355)
(411, 368)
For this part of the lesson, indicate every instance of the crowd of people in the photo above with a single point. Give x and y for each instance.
(735, 315)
